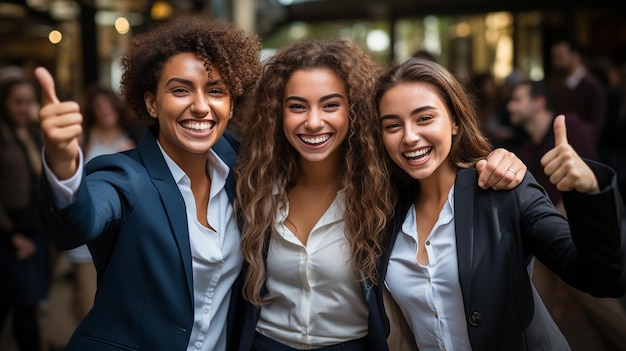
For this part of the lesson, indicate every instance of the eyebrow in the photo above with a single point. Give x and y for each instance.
(414, 112)
(323, 98)
(186, 81)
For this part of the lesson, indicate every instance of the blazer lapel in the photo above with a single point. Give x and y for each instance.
(467, 254)
(171, 199)
(227, 153)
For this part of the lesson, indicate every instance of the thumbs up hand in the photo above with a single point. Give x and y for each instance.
(563, 165)
(61, 126)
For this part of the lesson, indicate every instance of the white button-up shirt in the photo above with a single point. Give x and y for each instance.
(317, 300)
(216, 259)
(430, 296)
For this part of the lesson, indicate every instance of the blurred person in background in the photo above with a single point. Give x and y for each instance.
(107, 131)
(576, 89)
(24, 256)
(488, 107)
(531, 107)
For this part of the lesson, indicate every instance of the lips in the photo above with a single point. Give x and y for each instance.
(315, 140)
(198, 126)
(418, 154)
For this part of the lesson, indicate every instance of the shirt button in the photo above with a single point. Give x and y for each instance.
(205, 310)
(198, 345)
(427, 242)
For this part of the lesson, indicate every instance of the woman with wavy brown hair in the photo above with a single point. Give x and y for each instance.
(313, 195)
(457, 257)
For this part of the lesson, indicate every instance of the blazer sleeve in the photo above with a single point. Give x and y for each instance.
(586, 250)
(106, 191)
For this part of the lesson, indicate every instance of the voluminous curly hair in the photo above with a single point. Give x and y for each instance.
(469, 145)
(234, 52)
(268, 160)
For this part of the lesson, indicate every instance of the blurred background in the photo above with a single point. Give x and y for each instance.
(80, 42)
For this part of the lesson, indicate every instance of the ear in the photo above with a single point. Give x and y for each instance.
(455, 128)
(150, 102)
(232, 107)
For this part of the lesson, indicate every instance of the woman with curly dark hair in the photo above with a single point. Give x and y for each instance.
(313, 195)
(158, 219)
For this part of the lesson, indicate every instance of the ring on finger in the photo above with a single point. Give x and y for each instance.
(512, 171)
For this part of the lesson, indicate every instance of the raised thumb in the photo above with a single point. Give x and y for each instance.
(560, 131)
(48, 94)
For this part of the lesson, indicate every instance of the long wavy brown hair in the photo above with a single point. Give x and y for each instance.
(469, 145)
(267, 160)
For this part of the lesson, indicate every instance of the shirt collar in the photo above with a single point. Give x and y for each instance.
(575, 78)
(446, 215)
(333, 214)
(218, 170)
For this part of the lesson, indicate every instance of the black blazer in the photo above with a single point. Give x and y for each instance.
(497, 235)
(145, 297)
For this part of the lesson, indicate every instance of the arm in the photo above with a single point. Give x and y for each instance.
(595, 263)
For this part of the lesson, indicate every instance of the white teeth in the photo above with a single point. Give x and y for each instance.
(315, 140)
(417, 154)
(198, 126)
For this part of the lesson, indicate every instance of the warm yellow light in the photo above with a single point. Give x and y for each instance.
(160, 10)
(55, 36)
(121, 25)
(462, 29)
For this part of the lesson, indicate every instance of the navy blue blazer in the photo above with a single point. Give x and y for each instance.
(497, 235)
(128, 201)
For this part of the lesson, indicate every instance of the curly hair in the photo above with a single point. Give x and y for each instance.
(469, 145)
(267, 160)
(234, 52)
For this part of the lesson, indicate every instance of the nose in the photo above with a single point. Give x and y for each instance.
(411, 134)
(314, 120)
(200, 105)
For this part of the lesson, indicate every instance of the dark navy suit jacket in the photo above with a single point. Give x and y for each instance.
(132, 215)
(497, 235)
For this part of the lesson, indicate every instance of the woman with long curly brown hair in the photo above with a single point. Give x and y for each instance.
(312, 192)
(158, 219)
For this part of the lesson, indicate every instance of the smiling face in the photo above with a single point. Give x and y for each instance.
(315, 113)
(417, 129)
(193, 110)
